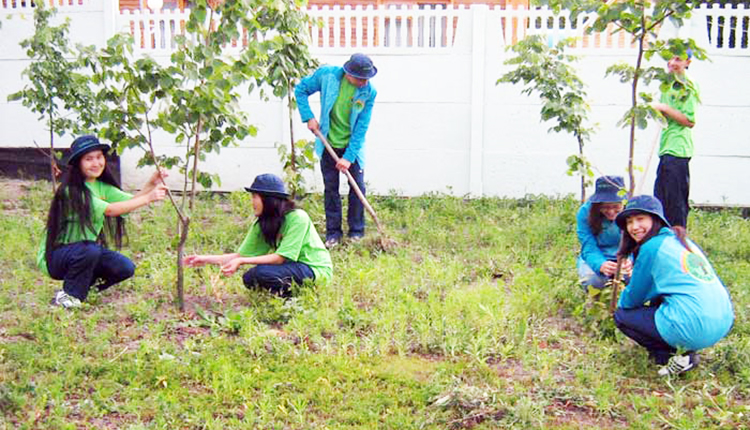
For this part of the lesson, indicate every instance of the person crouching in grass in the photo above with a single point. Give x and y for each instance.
(86, 208)
(598, 234)
(282, 244)
(674, 301)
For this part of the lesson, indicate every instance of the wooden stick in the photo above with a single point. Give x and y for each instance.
(616, 281)
(352, 182)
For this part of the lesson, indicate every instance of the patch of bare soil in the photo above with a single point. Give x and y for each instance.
(11, 190)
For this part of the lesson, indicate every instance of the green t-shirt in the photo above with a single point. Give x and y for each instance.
(677, 139)
(102, 194)
(340, 130)
(299, 241)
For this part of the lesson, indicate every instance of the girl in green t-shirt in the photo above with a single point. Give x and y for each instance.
(282, 244)
(88, 203)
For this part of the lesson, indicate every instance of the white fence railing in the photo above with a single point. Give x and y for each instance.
(412, 29)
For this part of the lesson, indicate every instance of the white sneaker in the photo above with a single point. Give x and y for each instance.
(65, 300)
(679, 364)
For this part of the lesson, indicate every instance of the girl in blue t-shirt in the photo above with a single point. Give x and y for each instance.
(85, 210)
(599, 235)
(674, 300)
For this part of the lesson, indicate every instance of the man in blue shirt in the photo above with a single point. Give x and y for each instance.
(346, 101)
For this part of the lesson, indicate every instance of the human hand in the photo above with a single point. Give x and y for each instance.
(158, 177)
(343, 165)
(158, 193)
(229, 268)
(313, 125)
(608, 268)
(627, 267)
(193, 260)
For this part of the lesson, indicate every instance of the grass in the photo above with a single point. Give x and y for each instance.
(474, 321)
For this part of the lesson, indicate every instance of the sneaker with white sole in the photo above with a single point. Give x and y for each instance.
(679, 364)
(332, 242)
(65, 300)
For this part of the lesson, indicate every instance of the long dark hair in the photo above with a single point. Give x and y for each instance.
(272, 217)
(71, 208)
(595, 218)
(628, 245)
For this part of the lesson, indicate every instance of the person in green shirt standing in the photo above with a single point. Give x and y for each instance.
(346, 101)
(282, 244)
(85, 210)
(677, 104)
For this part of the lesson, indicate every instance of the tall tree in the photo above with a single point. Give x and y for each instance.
(546, 70)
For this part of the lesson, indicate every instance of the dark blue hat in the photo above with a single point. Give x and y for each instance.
(641, 204)
(268, 184)
(608, 190)
(84, 144)
(360, 66)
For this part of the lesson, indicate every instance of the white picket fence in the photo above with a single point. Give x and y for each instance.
(432, 28)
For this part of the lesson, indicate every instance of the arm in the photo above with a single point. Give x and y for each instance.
(639, 290)
(232, 265)
(674, 114)
(307, 87)
(127, 206)
(200, 260)
(590, 251)
(357, 139)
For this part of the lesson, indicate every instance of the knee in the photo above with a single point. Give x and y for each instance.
(257, 276)
(125, 270)
(619, 318)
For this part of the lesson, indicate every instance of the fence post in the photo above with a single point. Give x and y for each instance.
(476, 148)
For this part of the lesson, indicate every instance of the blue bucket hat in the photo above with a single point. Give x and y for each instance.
(641, 204)
(268, 184)
(360, 66)
(608, 189)
(84, 144)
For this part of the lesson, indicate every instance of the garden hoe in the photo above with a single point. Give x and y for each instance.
(384, 242)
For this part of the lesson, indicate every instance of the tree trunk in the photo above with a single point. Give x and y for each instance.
(183, 226)
(583, 172)
(52, 166)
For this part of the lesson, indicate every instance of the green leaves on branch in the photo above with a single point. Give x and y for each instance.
(546, 71)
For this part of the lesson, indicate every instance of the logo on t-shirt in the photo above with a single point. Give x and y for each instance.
(697, 266)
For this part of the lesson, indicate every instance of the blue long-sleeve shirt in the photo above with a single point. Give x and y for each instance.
(696, 311)
(327, 81)
(596, 250)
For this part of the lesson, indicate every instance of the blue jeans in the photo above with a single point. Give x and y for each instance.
(672, 188)
(82, 264)
(639, 324)
(356, 213)
(278, 278)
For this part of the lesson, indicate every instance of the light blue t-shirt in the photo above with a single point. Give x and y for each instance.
(697, 310)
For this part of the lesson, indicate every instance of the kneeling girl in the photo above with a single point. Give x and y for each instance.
(674, 300)
(282, 243)
(86, 208)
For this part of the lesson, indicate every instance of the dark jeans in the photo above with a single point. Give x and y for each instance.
(356, 212)
(82, 264)
(278, 278)
(639, 324)
(672, 188)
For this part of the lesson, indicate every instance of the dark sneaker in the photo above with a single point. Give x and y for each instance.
(679, 364)
(332, 242)
(65, 300)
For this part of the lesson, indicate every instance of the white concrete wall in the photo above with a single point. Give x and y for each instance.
(441, 124)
